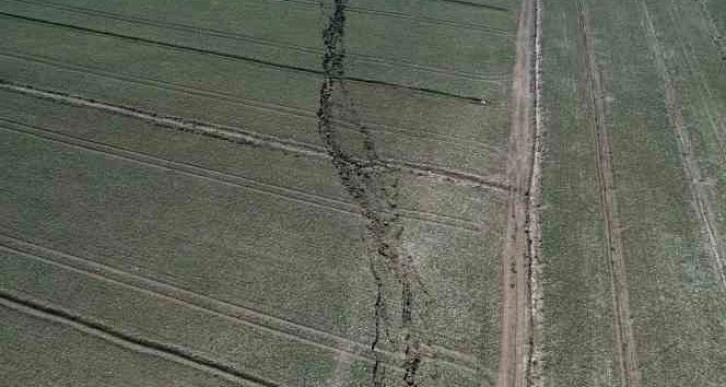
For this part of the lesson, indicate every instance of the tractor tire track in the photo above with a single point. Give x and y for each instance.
(408, 16)
(535, 354)
(294, 195)
(275, 325)
(717, 37)
(390, 62)
(626, 351)
(242, 58)
(717, 118)
(476, 5)
(180, 355)
(197, 301)
(239, 101)
(241, 136)
(703, 207)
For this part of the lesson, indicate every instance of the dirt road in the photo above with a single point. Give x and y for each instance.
(519, 355)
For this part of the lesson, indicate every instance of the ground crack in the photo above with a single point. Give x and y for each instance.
(374, 185)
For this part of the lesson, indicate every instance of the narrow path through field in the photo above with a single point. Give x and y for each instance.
(521, 303)
(625, 341)
(215, 307)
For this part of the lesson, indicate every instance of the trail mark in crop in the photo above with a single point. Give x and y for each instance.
(236, 57)
(243, 136)
(700, 197)
(168, 351)
(716, 36)
(625, 341)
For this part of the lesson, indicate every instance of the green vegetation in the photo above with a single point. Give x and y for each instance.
(169, 183)
(675, 291)
(49, 354)
(578, 335)
(342, 193)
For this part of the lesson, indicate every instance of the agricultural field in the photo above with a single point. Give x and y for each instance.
(343, 193)
(633, 194)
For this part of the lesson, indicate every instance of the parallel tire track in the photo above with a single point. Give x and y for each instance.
(476, 5)
(391, 62)
(129, 341)
(702, 206)
(247, 137)
(236, 313)
(403, 15)
(256, 61)
(182, 168)
(225, 178)
(444, 355)
(624, 338)
(234, 99)
(717, 119)
(719, 40)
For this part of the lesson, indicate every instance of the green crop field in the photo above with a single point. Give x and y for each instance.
(651, 77)
(343, 193)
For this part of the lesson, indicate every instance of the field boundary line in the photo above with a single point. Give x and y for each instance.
(249, 103)
(387, 61)
(516, 264)
(180, 355)
(241, 58)
(233, 312)
(624, 337)
(247, 138)
(699, 200)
